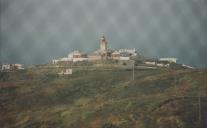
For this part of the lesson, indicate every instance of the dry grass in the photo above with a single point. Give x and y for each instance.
(93, 98)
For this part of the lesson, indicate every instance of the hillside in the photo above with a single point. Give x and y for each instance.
(103, 98)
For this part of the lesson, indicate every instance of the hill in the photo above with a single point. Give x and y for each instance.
(103, 98)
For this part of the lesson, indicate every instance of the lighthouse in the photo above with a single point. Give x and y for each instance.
(103, 43)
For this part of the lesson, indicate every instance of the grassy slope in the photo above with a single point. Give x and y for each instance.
(98, 99)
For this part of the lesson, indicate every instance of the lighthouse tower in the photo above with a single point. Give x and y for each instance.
(103, 43)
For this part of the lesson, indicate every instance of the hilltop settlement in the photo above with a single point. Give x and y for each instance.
(104, 53)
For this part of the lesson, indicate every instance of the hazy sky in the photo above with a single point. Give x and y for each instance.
(35, 31)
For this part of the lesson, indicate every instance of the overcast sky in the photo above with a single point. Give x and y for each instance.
(35, 31)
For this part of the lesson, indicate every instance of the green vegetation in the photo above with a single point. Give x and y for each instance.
(103, 97)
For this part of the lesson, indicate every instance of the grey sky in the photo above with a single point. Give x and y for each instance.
(35, 31)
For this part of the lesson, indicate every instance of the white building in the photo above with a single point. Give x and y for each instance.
(5, 67)
(150, 62)
(94, 57)
(72, 57)
(78, 56)
(124, 58)
(132, 52)
(65, 59)
(187, 66)
(18, 66)
(163, 65)
(171, 60)
(116, 55)
(66, 72)
(55, 61)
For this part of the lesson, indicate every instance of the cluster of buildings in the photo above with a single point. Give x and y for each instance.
(103, 53)
(11, 67)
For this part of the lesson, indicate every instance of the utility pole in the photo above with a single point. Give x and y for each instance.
(133, 71)
(175, 86)
(199, 109)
